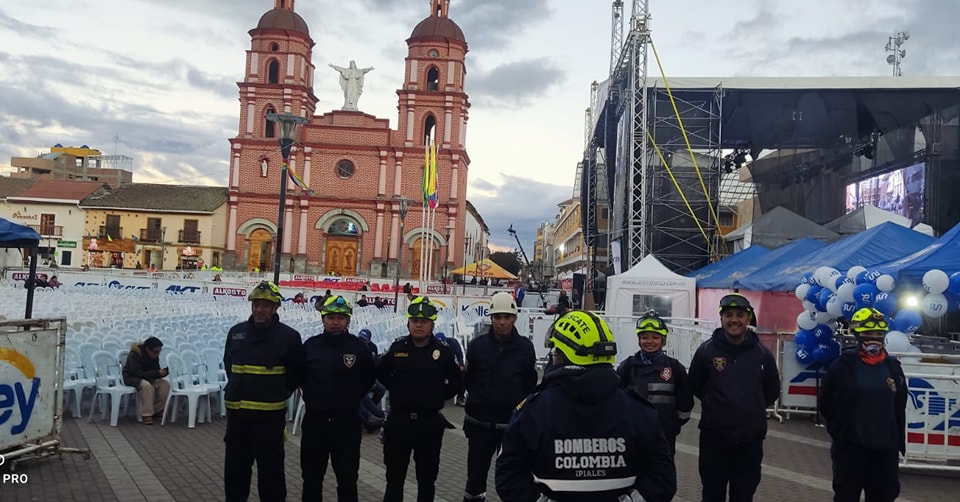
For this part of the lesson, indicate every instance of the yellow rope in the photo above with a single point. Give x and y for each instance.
(663, 160)
(686, 139)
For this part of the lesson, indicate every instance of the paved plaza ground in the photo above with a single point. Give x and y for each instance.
(133, 462)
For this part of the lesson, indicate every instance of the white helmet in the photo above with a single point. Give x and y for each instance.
(503, 303)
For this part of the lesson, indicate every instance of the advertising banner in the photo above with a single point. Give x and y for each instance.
(28, 372)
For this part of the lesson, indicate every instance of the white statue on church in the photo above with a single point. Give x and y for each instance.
(351, 81)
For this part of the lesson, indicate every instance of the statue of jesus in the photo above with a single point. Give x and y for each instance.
(351, 81)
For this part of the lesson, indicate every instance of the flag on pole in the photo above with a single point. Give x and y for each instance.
(430, 197)
(297, 180)
(109, 239)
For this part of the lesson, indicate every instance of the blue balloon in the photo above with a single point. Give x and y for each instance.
(841, 281)
(907, 321)
(806, 338)
(813, 295)
(886, 302)
(823, 333)
(825, 352)
(803, 356)
(872, 276)
(808, 278)
(822, 299)
(954, 286)
(862, 277)
(864, 294)
(849, 309)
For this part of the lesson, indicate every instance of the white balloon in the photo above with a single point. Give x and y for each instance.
(845, 292)
(826, 276)
(855, 271)
(934, 305)
(886, 283)
(806, 320)
(824, 317)
(835, 307)
(809, 306)
(936, 281)
(896, 341)
(802, 291)
(913, 350)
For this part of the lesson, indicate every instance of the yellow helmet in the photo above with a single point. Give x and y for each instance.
(421, 307)
(584, 338)
(651, 322)
(336, 305)
(268, 291)
(868, 319)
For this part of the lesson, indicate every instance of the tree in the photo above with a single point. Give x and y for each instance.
(508, 260)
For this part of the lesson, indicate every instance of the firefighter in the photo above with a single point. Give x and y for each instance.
(864, 399)
(659, 378)
(420, 373)
(263, 359)
(339, 372)
(501, 372)
(582, 437)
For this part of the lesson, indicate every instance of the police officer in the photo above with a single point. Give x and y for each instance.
(659, 378)
(501, 371)
(420, 373)
(735, 377)
(863, 399)
(263, 359)
(583, 437)
(339, 373)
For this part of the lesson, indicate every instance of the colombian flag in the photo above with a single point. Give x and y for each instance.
(430, 197)
(300, 183)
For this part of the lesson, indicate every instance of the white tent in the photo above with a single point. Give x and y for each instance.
(648, 285)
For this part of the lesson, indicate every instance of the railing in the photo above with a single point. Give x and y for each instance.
(48, 230)
(113, 232)
(189, 237)
(151, 235)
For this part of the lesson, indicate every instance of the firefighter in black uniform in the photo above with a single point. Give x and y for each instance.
(863, 399)
(583, 437)
(264, 362)
(339, 372)
(659, 378)
(736, 378)
(420, 373)
(501, 371)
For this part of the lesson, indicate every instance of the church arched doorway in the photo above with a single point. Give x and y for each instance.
(260, 251)
(416, 265)
(343, 247)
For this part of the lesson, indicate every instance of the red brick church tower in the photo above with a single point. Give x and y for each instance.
(358, 166)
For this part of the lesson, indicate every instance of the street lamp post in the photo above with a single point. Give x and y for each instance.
(288, 122)
(445, 260)
(396, 284)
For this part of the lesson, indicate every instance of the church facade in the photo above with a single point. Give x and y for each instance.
(359, 167)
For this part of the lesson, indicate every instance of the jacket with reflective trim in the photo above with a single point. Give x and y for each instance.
(665, 384)
(582, 437)
(264, 366)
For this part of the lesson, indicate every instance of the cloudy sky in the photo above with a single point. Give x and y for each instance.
(161, 75)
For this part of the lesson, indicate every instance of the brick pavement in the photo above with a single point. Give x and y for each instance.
(133, 462)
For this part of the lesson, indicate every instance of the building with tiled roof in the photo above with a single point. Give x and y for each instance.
(168, 226)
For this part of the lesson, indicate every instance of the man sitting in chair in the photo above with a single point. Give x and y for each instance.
(142, 371)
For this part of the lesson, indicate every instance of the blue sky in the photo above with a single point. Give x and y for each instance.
(162, 75)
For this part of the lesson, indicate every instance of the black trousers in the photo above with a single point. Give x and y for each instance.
(337, 439)
(423, 436)
(724, 462)
(255, 436)
(482, 444)
(856, 468)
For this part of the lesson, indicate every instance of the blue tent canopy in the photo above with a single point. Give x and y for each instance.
(13, 235)
(942, 254)
(731, 278)
(728, 265)
(884, 242)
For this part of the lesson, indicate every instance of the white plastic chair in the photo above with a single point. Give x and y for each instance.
(213, 359)
(75, 380)
(109, 385)
(181, 385)
(197, 367)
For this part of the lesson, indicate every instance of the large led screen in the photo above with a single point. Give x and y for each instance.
(899, 191)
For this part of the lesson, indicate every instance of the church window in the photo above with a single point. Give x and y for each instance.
(269, 126)
(273, 72)
(345, 169)
(429, 125)
(434, 53)
(274, 47)
(343, 226)
(433, 79)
